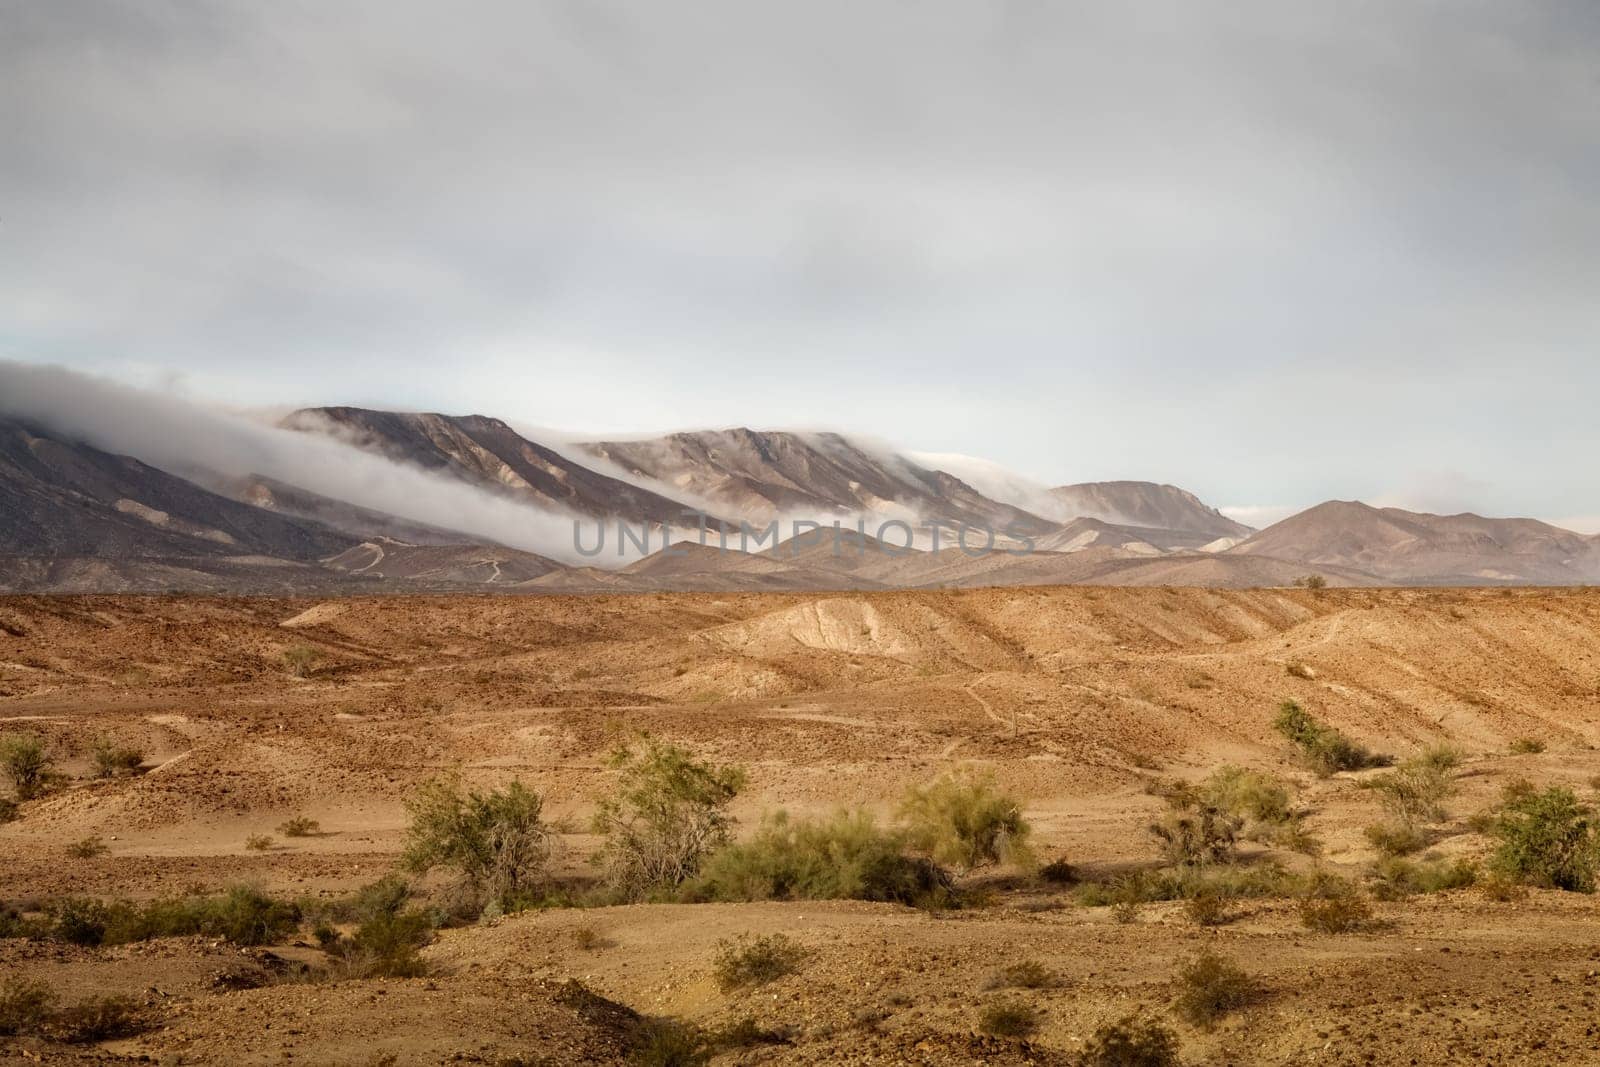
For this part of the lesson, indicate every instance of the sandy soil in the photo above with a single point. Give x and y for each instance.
(1075, 697)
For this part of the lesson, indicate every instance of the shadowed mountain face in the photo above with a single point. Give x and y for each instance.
(487, 452)
(61, 498)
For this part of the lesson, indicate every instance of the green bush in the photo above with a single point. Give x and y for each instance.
(1322, 748)
(88, 847)
(669, 813)
(1415, 791)
(300, 660)
(496, 842)
(1185, 883)
(299, 826)
(26, 760)
(1210, 986)
(242, 915)
(1009, 1018)
(751, 961)
(842, 857)
(964, 821)
(1249, 794)
(1131, 1041)
(1206, 909)
(112, 759)
(1547, 839)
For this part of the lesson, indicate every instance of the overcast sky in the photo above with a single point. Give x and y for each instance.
(1274, 252)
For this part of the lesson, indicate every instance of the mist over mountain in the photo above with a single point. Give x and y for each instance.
(109, 488)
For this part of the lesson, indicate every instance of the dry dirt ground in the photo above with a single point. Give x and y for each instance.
(1074, 697)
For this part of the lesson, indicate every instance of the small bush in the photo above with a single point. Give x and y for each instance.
(497, 842)
(1547, 839)
(1027, 974)
(1443, 756)
(1323, 749)
(1248, 794)
(1415, 792)
(1397, 878)
(1009, 1018)
(1131, 1041)
(386, 946)
(1500, 889)
(299, 826)
(8, 809)
(112, 760)
(98, 1019)
(300, 660)
(1059, 872)
(1209, 987)
(1195, 831)
(242, 915)
(1334, 906)
(26, 761)
(1206, 909)
(668, 1043)
(1311, 581)
(258, 842)
(842, 857)
(1397, 838)
(588, 938)
(1527, 746)
(963, 820)
(25, 1007)
(669, 813)
(746, 961)
(88, 848)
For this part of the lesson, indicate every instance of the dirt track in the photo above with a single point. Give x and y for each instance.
(1076, 697)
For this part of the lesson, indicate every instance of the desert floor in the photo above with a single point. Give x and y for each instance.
(1075, 697)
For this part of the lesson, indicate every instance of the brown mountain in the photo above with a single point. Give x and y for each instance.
(1148, 505)
(489, 453)
(1399, 545)
(761, 475)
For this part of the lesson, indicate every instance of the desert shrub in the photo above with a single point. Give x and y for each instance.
(1527, 746)
(1025, 974)
(26, 761)
(1311, 581)
(300, 660)
(1397, 838)
(1059, 872)
(1206, 909)
(1331, 905)
(964, 821)
(258, 842)
(1195, 831)
(668, 1043)
(1009, 1018)
(1396, 878)
(1320, 747)
(1547, 839)
(1132, 1041)
(747, 1033)
(1500, 889)
(1415, 791)
(1125, 908)
(1250, 794)
(8, 809)
(98, 1019)
(299, 826)
(386, 946)
(112, 759)
(1442, 756)
(496, 842)
(88, 848)
(750, 961)
(1210, 986)
(843, 856)
(669, 813)
(25, 1007)
(242, 915)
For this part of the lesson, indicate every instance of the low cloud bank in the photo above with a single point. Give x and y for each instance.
(178, 435)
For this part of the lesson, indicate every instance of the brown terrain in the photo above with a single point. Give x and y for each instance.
(1077, 699)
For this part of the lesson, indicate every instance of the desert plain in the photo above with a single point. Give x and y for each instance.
(1085, 703)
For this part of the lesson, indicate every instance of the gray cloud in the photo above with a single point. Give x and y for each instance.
(1272, 251)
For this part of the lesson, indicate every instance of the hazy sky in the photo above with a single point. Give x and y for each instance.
(1274, 252)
